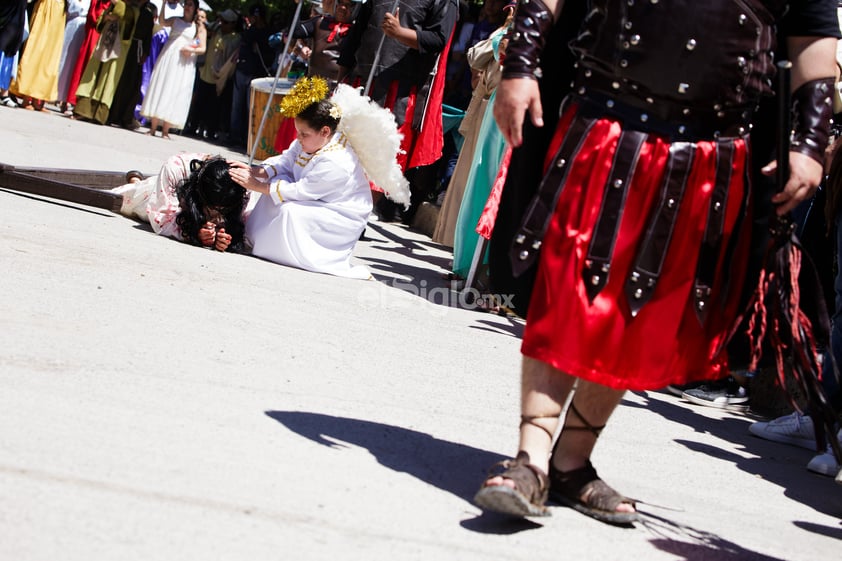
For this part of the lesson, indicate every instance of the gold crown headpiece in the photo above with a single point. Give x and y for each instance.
(305, 92)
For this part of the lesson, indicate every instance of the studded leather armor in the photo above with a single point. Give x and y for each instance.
(681, 69)
(701, 78)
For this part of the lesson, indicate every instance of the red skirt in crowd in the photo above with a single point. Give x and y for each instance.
(666, 342)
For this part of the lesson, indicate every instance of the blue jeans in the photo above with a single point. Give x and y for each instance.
(240, 107)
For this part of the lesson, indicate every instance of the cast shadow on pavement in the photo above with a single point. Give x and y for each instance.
(432, 460)
(401, 241)
(399, 275)
(450, 466)
(427, 275)
(421, 281)
(511, 327)
(143, 226)
(73, 206)
(828, 531)
(429, 278)
(429, 284)
(690, 544)
(440, 263)
(779, 464)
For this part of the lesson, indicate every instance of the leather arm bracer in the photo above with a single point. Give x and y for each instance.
(532, 24)
(812, 111)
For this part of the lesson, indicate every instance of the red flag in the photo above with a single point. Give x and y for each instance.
(485, 225)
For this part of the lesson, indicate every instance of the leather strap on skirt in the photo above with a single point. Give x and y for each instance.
(598, 260)
(527, 241)
(712, 241)
(653, 249)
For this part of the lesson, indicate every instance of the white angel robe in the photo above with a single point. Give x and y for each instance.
(317, 208)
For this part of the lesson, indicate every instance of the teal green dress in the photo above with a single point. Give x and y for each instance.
(486, 162)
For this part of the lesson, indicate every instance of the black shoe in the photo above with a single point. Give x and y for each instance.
(727, 394)
(387, 211)
(678, 389)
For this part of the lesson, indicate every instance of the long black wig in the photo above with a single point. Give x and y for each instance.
(210, 190)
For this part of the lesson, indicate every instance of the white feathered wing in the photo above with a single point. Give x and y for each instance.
(373, 134)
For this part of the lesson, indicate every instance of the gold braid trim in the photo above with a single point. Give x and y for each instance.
(339, 143)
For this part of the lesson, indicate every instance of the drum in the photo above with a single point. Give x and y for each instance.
(258, 99)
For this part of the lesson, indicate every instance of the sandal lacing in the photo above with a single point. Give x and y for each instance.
(583, 490)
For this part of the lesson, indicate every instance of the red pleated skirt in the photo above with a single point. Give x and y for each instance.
(666, 342)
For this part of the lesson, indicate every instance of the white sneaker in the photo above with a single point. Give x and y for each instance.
(825, 463)
(794, 429)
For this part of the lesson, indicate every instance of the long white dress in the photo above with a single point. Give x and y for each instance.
(171, 85)
(317, 207)
(74, 34)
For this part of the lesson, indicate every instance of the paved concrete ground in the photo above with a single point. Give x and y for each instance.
(160, 401)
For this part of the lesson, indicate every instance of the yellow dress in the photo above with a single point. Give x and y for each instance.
(38, 68)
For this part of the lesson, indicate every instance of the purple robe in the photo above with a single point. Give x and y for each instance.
(159, 39)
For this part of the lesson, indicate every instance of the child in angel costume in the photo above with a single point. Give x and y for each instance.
(192, 199)
(315, 198)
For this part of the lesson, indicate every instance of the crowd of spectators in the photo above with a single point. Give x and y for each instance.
(94, 60)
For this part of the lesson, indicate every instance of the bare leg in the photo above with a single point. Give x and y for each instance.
(165, 130)
(153, 126)
(543, 393)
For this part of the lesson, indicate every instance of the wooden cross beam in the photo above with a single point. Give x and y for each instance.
(78, 186)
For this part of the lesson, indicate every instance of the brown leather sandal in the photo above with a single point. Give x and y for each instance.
(134, 175)
(526, 498)
(582, 490)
